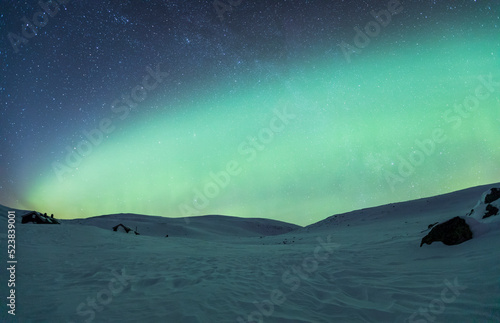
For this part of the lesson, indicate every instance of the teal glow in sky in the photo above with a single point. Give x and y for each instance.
(325, 140)
(281, 110)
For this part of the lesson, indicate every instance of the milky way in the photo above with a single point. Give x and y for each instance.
(291, 110)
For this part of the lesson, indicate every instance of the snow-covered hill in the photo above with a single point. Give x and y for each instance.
(364, 266)
(200, 227)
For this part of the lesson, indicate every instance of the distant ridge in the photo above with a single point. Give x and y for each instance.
(195, 227)
(229, 226)
(465, 199)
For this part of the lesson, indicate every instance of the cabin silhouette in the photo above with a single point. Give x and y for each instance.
(39, 218)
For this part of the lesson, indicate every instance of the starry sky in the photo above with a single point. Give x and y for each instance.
(289, 110)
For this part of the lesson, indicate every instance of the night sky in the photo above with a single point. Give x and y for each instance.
(290, 110)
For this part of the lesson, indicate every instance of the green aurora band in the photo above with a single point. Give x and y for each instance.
(352, 131)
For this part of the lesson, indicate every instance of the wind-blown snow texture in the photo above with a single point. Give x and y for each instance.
(362, 266)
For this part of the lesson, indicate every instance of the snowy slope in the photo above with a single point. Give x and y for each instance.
(365, 266)
(206, 227)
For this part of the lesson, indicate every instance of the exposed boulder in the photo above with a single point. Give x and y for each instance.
(490, 210)
(492, 196)
(481, 219)
(451, 232)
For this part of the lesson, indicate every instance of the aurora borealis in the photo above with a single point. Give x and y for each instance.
(173, 112)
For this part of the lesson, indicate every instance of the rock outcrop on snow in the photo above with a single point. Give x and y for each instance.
(481, 219)
(122, 228)
(487, 206)
(492, 196)
(451, 232)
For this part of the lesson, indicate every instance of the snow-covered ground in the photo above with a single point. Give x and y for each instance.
(362, 266)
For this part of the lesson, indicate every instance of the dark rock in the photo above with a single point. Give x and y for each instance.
(490, 210)
(431, 225)
(125, 228)
(493, 196)
(451, 232)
